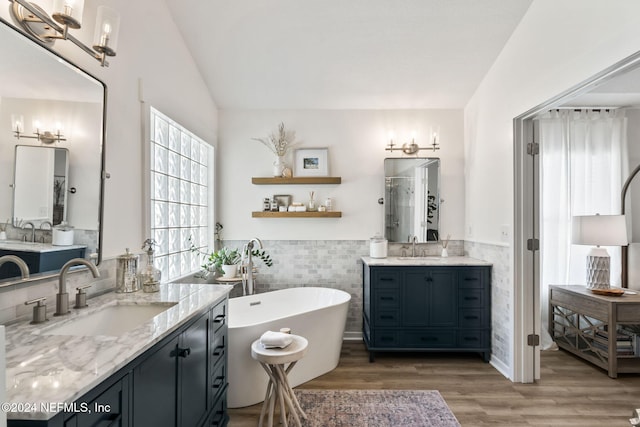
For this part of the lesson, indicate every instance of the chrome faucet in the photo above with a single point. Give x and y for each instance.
(62, 297)
(33, 230)
(248, 282)
(24, 268)
(46, 223)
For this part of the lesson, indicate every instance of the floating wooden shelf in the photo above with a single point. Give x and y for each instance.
(296, 180)
(268, 214)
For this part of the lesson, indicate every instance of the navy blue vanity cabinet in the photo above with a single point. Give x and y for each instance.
(179, 382)
(425, 308)
(39, 262)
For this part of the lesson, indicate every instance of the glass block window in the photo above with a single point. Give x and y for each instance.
(181, 165)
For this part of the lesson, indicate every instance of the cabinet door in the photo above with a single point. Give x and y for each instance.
(108, 409)
(415, 298)
(154, 388)
(443, 298)
(192, 366)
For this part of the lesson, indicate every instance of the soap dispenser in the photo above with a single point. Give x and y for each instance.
(150, 275)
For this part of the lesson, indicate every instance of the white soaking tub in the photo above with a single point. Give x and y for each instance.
(318, 314)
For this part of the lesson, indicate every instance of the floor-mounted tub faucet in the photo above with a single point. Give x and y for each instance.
(247, 279)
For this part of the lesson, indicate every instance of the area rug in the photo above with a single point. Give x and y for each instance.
(375, 408)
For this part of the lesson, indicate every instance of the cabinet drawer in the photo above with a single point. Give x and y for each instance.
(386, 339)
(384, 318)
(218, 417)
(472, 318)
(385, 280)
(473, 339)
(429, 339)
(387, 299)
(218, 380)
(107, 409)
(218, 346)
(219, 316)
(470, 298)
(470, 278)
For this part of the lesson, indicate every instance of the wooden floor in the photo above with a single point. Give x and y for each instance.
(571, 392)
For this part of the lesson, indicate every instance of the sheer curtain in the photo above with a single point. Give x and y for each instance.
(583, 167)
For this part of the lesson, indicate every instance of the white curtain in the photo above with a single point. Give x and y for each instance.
(582, 168)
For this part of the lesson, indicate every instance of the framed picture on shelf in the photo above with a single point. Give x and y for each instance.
(311, 162)
(282, 200)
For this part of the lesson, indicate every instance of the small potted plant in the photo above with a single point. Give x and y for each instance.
(225, 261)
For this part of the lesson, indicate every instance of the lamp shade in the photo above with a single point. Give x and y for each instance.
(599, 230)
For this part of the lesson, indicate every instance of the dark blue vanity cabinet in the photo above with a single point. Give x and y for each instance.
(425, 308)
(39, 262)
(179, 382)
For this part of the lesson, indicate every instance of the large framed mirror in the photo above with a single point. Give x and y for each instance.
(412, 199)
(52, 122)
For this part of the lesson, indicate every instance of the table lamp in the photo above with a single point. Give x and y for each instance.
(599, 230)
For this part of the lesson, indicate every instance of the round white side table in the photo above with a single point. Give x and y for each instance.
(273, 360)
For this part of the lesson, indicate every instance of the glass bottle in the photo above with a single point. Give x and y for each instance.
(150, 275)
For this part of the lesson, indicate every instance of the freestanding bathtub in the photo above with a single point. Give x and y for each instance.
(318, 314)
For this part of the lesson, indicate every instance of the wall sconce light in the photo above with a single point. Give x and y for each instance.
(46, 137)
(412, 147)
(68, 14)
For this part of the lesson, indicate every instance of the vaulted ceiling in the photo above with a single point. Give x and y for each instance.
(345, 54)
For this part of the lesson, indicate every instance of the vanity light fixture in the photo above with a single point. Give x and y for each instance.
(46, 137)
(68, 14)
(412, 147)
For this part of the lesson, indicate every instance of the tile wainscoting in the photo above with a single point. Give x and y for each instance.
(501, 297)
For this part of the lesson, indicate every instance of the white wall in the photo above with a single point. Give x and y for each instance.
(556, 46)
(356, 140)
(153, 63)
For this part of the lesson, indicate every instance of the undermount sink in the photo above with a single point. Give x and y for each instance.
(417, 258)
(114, 320)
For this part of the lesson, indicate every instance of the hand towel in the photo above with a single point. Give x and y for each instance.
(271, 339)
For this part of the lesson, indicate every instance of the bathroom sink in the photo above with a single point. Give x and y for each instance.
(113, 320)
(418, 258)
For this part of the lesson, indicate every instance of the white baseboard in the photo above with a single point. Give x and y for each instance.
(352, 336)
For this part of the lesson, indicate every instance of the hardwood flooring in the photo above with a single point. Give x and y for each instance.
(571, 392)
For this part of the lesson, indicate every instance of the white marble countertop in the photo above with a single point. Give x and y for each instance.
(394, 261)
(18, 245)
(61, 368)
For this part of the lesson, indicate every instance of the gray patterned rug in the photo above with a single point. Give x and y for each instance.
(375, 408)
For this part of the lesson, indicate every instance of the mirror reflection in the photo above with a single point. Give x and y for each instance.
(412, 199)
(51, 153)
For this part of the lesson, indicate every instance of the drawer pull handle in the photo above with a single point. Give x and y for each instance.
(386, 279)
(387, 298)
(471, 317)
(470, 338)
(184, 352)
(387, 316)
(429, 339)
(386, 338)
(471, 298)
(219, 318)
(428, 279)
(471, 279)
(218, 350)
(218, 382)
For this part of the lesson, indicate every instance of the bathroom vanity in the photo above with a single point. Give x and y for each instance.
(168, 367)
(427, 304)
(39, 257)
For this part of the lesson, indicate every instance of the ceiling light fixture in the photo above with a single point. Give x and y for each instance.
(68, 14)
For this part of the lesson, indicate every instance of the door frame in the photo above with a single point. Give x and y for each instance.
(527, 320)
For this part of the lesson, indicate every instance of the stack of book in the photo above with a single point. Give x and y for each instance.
(626, 343)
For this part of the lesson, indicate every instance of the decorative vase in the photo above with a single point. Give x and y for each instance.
(230, 271)
(279, 165)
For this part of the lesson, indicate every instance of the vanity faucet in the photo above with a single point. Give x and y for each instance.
(414, 239)
(24, 268)
(43, 223)
(33, 230)
(62, 297)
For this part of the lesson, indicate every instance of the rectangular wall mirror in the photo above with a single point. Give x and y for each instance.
(45, 179)
(412, 199)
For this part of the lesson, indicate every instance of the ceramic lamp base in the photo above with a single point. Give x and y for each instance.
(598, 272)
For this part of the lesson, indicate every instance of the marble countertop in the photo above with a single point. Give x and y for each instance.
(394, 261)
(62, 368)
(18, 245)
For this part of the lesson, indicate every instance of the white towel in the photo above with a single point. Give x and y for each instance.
(272, 339)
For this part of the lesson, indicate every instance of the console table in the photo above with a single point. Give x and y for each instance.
(604, 330)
